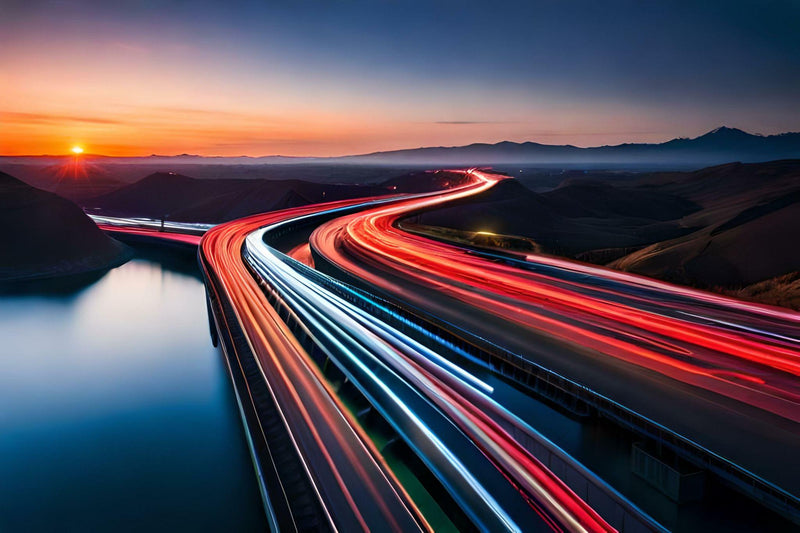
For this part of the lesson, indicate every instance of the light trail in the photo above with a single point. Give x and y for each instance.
(359, 337)
(439, 409)
(356, 489)
(605, 316)
(183, 238)
(166, 226)
(445, 414)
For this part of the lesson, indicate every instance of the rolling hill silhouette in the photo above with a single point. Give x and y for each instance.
(721, 145)
(185, 198)
(731, 228)
(717, 146)
(45, 235)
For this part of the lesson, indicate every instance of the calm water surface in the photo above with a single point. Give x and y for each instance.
(117, 414)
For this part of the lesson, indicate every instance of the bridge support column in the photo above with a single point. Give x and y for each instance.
(679, 480)
(212, 326)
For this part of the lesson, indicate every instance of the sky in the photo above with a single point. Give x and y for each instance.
(305, 77)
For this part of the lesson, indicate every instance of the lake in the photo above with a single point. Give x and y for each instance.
(116, 413)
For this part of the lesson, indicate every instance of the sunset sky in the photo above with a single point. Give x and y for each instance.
(351, 76)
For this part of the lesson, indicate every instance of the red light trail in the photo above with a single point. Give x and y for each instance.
(748, 365)
(745, 352)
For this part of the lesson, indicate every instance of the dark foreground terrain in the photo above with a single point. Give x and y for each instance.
(46, 236)
(731, 228)
(84, 178)
(184, 198)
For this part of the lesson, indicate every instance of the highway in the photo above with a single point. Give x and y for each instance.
(344, 486)
(177, 232)
(298, 329)
(687, 359)
(350, 485)
(337, 364)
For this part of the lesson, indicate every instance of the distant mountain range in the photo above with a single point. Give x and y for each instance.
(717, 146)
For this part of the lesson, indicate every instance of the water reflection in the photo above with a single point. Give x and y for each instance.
(64, 288)
(116, 414)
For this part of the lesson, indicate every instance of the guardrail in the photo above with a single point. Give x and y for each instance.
(285, 489)
(615, 508)
(554, 387)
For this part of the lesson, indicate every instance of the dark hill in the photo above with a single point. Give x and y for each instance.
(727, 227)
(720, 184)
(748, 227)
(415, 182)
(601, 199)
(217, 200)
(45, 235)
(749, 249)
(558, 225)
(184, 198)
(69, 178)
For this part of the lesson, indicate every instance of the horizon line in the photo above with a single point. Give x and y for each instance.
(365, 154)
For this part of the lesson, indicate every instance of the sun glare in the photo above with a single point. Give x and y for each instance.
(77, 150)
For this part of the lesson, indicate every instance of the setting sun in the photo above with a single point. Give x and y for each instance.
(77, 150)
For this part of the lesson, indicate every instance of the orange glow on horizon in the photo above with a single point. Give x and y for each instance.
(77, 150)
(154, 128)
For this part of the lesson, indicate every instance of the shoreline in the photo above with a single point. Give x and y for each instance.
(67, 268)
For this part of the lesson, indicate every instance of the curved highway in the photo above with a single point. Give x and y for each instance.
(351, 487)
(688, 360)
(675, 356)
(298, 330)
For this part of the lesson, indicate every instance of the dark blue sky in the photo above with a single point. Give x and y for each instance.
(392, 74)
